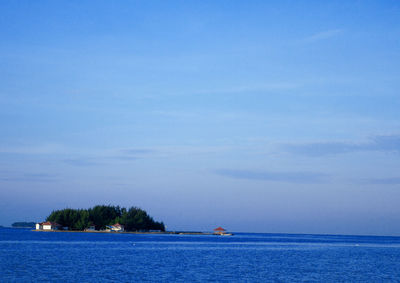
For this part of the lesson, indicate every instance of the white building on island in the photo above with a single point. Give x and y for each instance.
(48, 226)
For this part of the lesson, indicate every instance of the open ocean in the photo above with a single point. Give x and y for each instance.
(28, 256)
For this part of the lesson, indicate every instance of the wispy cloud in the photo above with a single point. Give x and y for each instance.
(273, 86)
(81, 162)
(322, 35)
(390, 143)
(289, 177)
(134, 153)
(138, 151)
(28, 177)
(169, 151)
(34, 149)
(383, 181)
(177, 114)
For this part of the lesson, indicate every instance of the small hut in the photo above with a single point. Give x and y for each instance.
(219, 231)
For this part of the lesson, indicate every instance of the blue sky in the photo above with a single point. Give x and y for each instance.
(254, 115)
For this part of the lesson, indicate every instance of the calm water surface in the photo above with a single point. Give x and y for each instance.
(27, 256)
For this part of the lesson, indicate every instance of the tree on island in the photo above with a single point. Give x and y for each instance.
(23, 225)
(100, 216)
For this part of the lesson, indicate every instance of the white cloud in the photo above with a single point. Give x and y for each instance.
(47, 148)
(275, 86)
(322, 35)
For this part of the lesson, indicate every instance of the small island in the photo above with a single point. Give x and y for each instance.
(108, 218)
(101, 218)
(23, 225)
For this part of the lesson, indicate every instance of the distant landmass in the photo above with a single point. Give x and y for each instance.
(23, 225)
(100, 217)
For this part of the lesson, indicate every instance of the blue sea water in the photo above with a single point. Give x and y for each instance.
(29, 256)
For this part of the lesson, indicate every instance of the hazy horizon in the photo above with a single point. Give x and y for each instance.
(275, 117)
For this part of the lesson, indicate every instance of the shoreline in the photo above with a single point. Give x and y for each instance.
(151, 233)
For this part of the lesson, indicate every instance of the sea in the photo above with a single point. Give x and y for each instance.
(29, 256)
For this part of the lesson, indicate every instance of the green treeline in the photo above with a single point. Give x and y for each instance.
(23, 225)
(133, 219)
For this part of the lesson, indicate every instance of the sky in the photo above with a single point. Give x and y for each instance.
(257, 116)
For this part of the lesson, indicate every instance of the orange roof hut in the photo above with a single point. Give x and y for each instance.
(219, 230)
